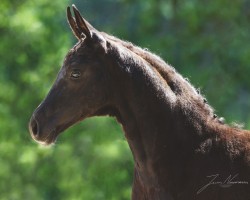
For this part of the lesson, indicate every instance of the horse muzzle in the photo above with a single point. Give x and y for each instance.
(39, 135)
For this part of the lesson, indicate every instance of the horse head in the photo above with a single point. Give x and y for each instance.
(81, 87)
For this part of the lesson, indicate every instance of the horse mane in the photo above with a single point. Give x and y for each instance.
(189, 100)
(192, 107)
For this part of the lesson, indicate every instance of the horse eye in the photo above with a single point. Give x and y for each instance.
(75, 74)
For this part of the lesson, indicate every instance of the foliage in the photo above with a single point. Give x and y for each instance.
(207, 41)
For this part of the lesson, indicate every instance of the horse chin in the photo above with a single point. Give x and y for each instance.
(47, 141)
(50, 138)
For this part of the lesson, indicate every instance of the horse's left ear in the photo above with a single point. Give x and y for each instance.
(79, 26)
(81, 23)
(83, 30)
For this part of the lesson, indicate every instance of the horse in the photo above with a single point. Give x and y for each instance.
(181, 149)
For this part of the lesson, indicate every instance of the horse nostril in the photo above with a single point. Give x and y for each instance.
(34, 128)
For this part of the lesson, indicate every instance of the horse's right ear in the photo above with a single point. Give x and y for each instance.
(78, 25)
(83, 30)
(73, 25)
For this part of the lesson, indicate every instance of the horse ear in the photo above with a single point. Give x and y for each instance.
(82, 29)
(78, 25)
(73, 25)
(81, 23)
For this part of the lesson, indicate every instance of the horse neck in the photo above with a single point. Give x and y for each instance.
(148, 109)
(164, 126)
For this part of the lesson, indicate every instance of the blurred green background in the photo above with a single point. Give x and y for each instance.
(206, 41)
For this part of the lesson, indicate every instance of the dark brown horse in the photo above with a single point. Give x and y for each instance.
(181, 150)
